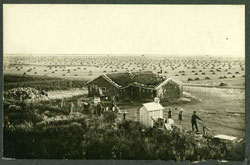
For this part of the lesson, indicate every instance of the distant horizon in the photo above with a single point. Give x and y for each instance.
(136, 55)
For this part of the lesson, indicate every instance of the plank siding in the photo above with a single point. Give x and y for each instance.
(100, 82)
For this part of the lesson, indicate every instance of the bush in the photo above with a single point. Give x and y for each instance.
(223, 84)
(41, 83)
(83, 137)
(109, 116)
(207, 78)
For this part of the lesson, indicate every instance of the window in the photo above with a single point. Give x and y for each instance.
(104, 89)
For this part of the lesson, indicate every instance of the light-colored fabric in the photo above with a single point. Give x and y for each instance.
(170, 121)
(168, 126)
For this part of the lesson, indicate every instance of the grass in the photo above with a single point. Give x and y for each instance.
(49, 132)
(147, 78)
(41, 82)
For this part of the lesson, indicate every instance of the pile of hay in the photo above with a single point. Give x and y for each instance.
(25, 94)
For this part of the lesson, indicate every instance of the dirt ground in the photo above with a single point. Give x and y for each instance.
(222, 113)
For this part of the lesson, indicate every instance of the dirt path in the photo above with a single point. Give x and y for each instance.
(213, 86)
(66, 93)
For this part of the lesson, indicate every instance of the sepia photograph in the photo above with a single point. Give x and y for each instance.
(124, 82)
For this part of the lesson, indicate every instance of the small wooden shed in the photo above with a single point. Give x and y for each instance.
(151, 110)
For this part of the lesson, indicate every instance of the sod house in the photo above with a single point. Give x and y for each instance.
(135, 86)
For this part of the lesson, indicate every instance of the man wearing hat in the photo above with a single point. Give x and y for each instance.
(194, 122)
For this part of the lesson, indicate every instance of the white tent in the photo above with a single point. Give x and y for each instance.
(150, 110)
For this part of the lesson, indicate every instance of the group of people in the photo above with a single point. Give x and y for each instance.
(99, 110)
(71, 107)
(194, 119)
(108, 110)
(180, 115)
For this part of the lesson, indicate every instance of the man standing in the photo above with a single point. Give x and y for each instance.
(193, 121)
(169, 114)
(124, 115)
(62, 103)
(71, 108)
(180, 115)
(98, 109)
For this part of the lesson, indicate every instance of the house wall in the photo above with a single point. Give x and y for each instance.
(93, 88)
(137, 94)
(142, 94)
(169, 91)
(145, 116)
(124, 93)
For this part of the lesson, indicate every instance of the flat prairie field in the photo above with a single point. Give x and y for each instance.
(195, 70)
(221, 109)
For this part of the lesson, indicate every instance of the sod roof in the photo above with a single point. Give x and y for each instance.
(145, 78)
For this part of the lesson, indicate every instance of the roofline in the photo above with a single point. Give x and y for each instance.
(142, 86)
(92, 80)
(163, 83)
(166, 81)
(138, 86)
(111, 81)
(155, 109)
(121, 87)
(107, 79)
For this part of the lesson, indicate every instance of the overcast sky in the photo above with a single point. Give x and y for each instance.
(124, 29)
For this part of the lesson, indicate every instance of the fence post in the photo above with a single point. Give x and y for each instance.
(70, 84)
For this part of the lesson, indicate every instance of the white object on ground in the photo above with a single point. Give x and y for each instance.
(170, 121)
(168, 126)
(225, 137)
